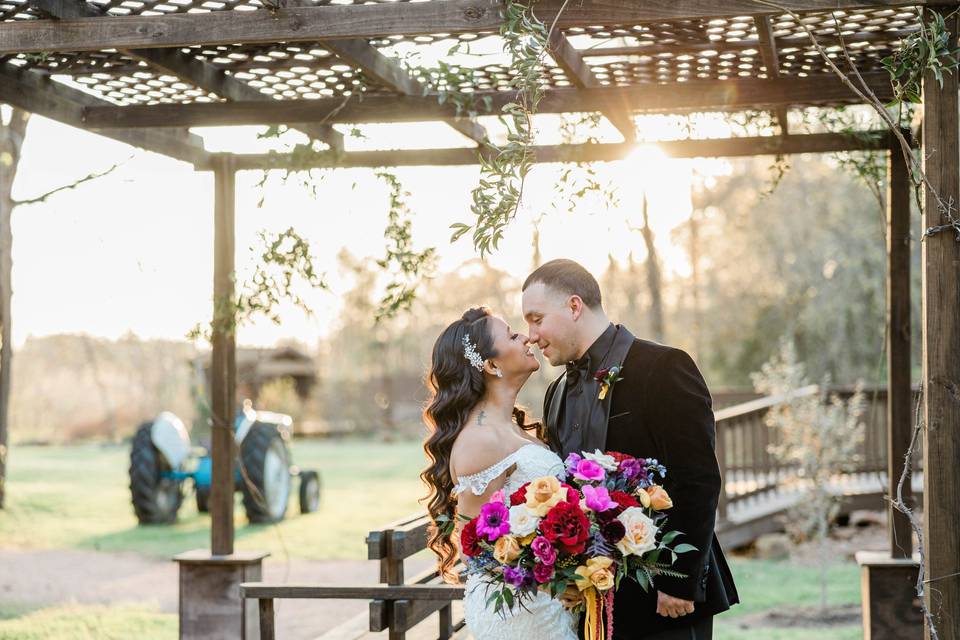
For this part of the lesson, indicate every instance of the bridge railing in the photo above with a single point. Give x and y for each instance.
(751, 472)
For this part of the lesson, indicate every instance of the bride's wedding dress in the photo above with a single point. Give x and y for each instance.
(544, 618)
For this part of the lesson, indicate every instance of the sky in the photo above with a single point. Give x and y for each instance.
(131, 252)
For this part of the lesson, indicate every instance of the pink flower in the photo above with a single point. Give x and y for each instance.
(493, 521)
(542, 573)
(543, 550)
(589, 471)
(597, 498)
(498, 496)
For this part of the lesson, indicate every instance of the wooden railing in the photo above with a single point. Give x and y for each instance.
(396, 605)
(751, 472)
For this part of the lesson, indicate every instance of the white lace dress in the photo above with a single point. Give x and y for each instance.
(544, 617)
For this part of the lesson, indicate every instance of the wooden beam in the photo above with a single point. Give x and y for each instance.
(183, 65)
(382, 69)
(728, 147)
(941, 344)
(39, 94)
(792, 42)
(720, 95)
(367, 21)
(771, 61)
(579, 73)
(900, 410)
(223, 370)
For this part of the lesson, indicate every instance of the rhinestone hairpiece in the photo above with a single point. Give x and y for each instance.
(470, 353)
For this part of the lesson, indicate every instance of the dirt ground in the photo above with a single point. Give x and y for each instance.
(45, 578)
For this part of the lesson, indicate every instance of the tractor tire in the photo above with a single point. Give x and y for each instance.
(309, 491)
(265, 475)
(203, 499)
(156, 499)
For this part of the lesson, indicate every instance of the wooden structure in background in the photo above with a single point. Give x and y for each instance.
(144, 71)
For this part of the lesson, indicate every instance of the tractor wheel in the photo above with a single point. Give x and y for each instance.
(309, 491)
(155, 499)
(266, 466)
(203, 499)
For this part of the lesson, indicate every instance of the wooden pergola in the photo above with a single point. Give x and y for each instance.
(144, 71)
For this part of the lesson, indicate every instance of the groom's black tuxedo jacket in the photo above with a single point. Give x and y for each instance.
(661, 409)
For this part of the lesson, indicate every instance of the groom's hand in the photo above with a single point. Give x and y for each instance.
(673, 607)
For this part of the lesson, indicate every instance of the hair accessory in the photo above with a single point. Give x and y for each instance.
(470, 353)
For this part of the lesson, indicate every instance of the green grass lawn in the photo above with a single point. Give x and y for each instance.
(86, 622)
(78, 497)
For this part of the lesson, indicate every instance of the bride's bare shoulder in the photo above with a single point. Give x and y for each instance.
(475, 450)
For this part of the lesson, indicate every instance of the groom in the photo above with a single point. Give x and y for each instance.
(660, 409)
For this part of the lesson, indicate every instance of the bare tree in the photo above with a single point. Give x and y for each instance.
(12, 135)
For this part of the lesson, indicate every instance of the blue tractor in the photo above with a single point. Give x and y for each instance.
(162, 460)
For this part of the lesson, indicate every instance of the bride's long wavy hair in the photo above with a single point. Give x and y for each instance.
(455, 387)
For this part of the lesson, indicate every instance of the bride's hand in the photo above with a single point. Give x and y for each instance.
(571, 597)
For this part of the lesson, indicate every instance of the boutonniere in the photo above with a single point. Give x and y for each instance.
(607, 377)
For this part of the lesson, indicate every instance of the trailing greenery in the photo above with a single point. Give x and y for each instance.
(405, 265)
(504, 168)
(928, 49)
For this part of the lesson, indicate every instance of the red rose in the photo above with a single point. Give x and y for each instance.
(469, 542)
(567, 527)
(601, 374)
(573, 496)
(619, 457)
(519, 496)
(625, 500)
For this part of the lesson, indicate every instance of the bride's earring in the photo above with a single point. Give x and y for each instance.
(499, 373)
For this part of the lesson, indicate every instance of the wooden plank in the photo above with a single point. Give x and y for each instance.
(726, 148)
(771, 61)
(941, 347)
(382, 69)
(352, 592)
(183, 65)
(899, 405)
(719, 95)
(365, 21)
(579, 73)
(38, 94)
(223, 366)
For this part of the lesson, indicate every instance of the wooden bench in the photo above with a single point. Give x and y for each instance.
(395, 605)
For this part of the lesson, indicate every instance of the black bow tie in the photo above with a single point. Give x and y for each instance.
(577, 370)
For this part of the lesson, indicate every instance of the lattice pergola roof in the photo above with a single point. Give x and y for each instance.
(118, 65)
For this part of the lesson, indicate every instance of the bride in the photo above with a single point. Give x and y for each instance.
(480, 443)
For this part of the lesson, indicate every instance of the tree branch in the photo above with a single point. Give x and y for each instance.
(72, 185)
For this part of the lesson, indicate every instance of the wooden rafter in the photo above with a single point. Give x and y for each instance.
(771, 61)
(729, 147)
(37, 94)
(379, 67)
(175, 62)
(369, 21)
(579, 73)
(719, 95)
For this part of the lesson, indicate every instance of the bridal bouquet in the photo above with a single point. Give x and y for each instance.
(603, 524)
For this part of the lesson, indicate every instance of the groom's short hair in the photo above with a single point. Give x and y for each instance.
(569, 278)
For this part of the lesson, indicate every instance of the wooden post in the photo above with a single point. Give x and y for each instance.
(941, 347)
(267, 628)
(223, 369)
(900, 414)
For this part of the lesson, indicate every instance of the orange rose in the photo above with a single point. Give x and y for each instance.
(543, 494)
(659, 499)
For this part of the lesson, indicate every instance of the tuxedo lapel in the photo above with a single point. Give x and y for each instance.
(596, 436)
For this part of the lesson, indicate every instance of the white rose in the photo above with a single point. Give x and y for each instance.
(523, 522)
(641, 533)
(605, 461)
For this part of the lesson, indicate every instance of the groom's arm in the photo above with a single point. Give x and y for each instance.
(683, 421)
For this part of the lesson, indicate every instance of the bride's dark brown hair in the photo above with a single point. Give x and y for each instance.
(455, 387)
